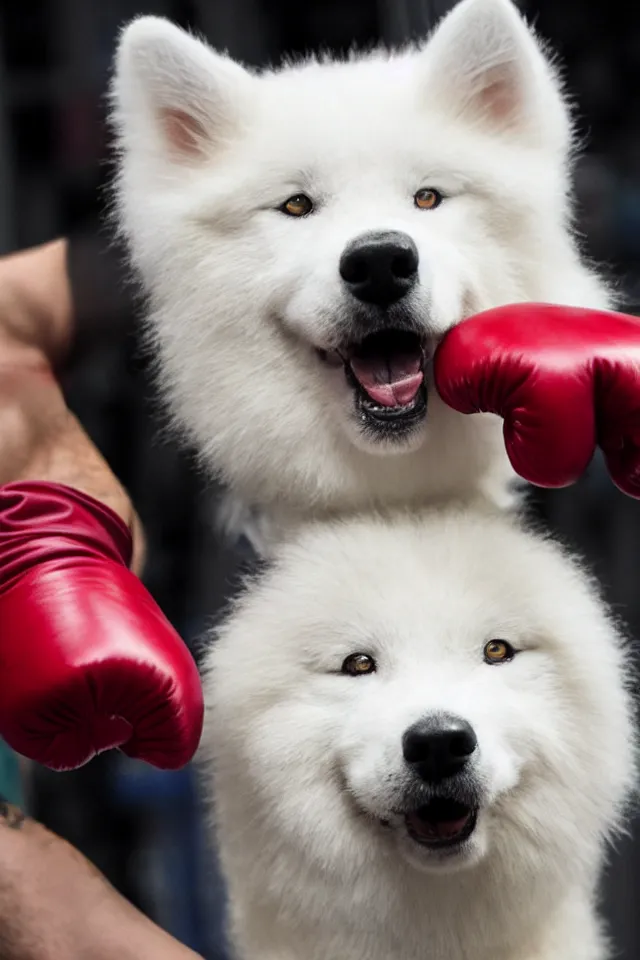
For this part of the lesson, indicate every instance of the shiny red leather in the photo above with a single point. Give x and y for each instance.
(87, 660)
(565, 379)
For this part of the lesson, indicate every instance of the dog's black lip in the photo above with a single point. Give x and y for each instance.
(333, 358)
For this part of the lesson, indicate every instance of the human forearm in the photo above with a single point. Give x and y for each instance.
(54, 905)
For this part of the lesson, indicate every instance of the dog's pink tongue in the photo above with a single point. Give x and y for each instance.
(389, 381)
(436, 829)
(450, 828)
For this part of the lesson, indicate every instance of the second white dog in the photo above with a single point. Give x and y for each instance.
(421, 739)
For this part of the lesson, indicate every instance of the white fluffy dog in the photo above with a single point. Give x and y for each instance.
(422, 741)
(306, 235)
(420, 725)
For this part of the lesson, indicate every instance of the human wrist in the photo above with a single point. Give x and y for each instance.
(118, 931)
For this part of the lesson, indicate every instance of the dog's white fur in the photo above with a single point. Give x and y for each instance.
(308, 761)
(240, 295)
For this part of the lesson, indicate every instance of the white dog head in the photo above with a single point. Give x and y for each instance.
(446, 689)
(307, 234)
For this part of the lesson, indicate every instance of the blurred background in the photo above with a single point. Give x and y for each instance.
(141, 827)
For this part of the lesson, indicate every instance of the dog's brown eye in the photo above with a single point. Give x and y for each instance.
(427, 199)
(498, 651)
(358, 664)
(298, 206)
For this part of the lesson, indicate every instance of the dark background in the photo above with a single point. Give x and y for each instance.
(141, 827)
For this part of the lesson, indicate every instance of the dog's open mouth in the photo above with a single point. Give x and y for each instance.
(441, 823)
(387, 373)
(386, 370)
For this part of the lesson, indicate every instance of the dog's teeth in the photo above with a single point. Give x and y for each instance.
(377, 408)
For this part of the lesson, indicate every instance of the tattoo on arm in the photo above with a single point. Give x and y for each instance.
(12, 816)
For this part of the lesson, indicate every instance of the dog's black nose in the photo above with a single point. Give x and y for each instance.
(438, 747)
(380, 268)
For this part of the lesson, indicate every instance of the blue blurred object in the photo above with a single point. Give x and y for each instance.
(10, 779)
(175, 861)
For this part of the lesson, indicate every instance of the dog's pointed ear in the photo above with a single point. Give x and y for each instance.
(485, 64)
(173, 96)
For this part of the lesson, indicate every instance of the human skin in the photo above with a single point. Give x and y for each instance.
(54, 905)
(40, 438)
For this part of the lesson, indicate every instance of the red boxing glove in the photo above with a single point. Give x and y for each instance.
(87, 660)
(563, 378)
